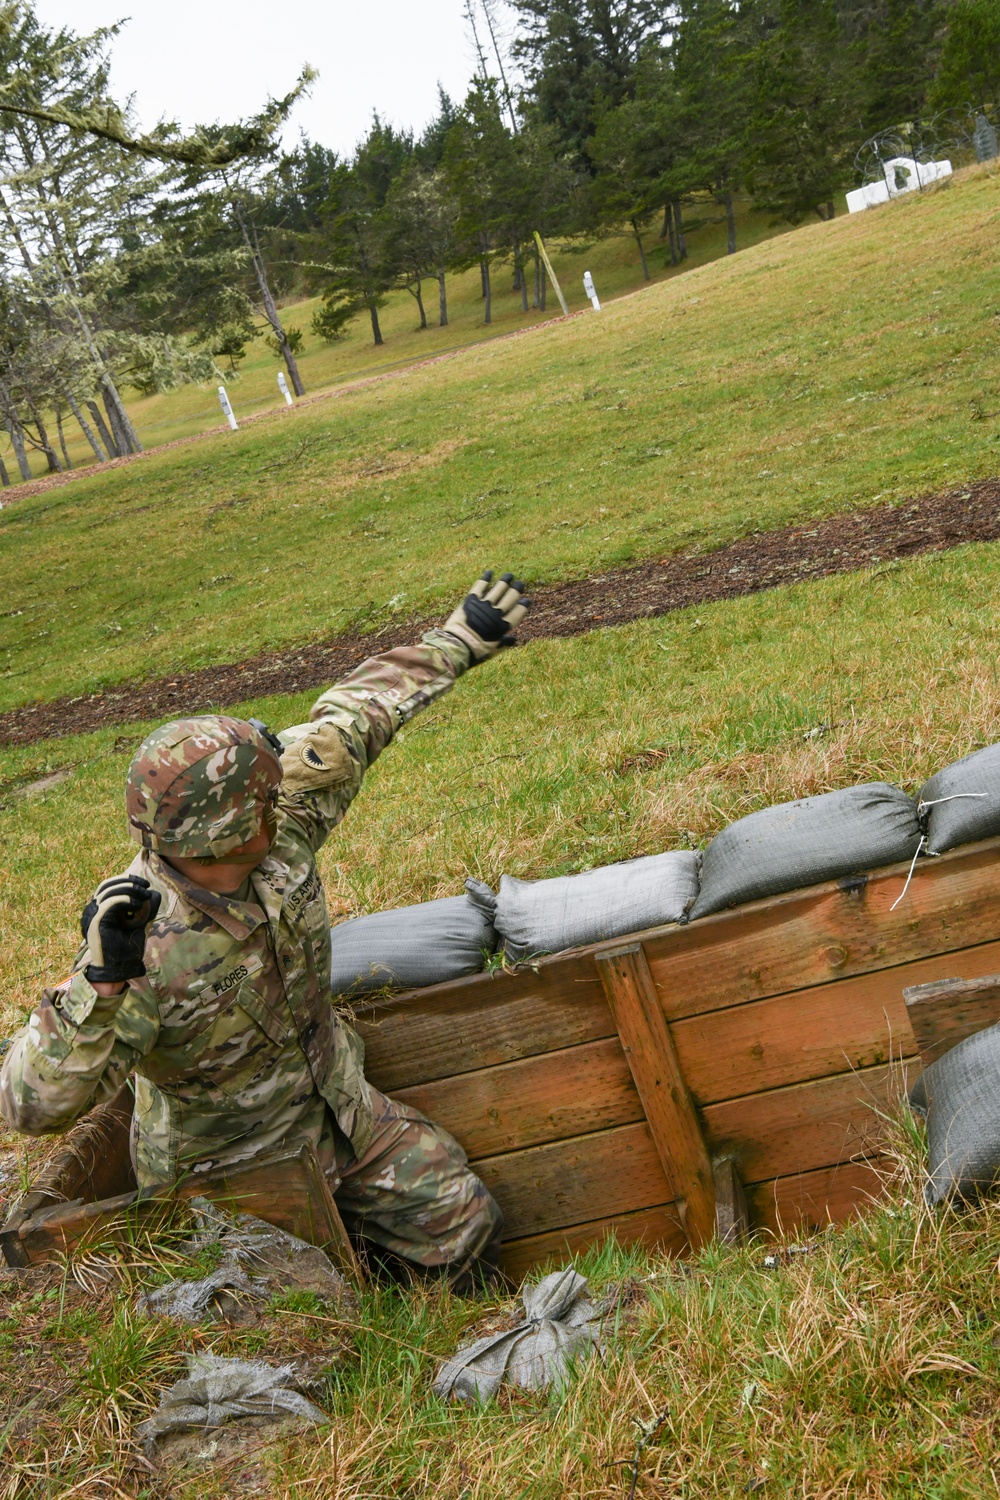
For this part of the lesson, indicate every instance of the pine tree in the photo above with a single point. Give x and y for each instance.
(969, 71)
(580, 56)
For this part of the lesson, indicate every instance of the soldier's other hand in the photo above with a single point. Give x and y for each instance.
(489, 614)
(114, 925)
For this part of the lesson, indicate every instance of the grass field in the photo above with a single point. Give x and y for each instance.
(613, 261)
(845, 360)
(816, 372)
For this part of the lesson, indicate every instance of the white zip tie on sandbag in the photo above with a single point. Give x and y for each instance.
(936, 801)
(913, 865)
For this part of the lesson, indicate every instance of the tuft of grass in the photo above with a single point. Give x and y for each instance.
(813, 373)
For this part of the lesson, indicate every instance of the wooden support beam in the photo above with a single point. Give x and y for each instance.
(670, 1112)
(93, 1162)
(732, 1218)
(944, 1013)
(287, 1189)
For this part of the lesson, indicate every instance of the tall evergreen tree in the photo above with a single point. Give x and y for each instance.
(581, 54)
(969, 70)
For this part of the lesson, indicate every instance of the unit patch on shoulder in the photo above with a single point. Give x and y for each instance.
(321, 759)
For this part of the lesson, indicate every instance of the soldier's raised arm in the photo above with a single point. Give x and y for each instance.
(324, 761)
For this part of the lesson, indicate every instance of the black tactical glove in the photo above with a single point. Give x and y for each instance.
(486, 617)
(114, 928)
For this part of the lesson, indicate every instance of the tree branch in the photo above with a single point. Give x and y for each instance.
(207, 149)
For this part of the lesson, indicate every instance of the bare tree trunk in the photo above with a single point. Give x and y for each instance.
(518, 268)
(730, 222)
(121, 422)
(4, 476)
(376, 330)
(483, 277)
(67, 462)
(671, 233)
(85, 428)
(682, 249)
(54, 466)
(16, 435)
(642, 252)
(488, 284)
(442, 300)
(831, 209)
(122, 446)
(268, 303)
(95, 411)
(418, 293)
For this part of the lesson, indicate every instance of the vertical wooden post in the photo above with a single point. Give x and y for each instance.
(732, 1218)
(656, 1071)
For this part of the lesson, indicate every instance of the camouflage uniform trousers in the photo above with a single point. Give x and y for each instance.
(413, 1191)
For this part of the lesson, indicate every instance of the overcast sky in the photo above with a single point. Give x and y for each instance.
(197, 60)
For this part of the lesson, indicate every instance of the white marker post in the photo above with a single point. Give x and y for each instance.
(588, 287)
(283, 388)
(226, 408)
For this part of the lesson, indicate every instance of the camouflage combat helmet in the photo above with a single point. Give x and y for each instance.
(202, 786)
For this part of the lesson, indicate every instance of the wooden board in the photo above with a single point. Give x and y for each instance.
(827, 932)
(850, 1023)
(572, 1182)
(287, 1189)
(944, 1013)
(732, 1215)
(657, 1228)
(807, 1202)
(481, 1021)
(806, 1126)
(551, 1097)
(93, 1161)
(666, 1101)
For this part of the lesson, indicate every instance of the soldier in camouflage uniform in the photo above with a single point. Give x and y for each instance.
(205, 970)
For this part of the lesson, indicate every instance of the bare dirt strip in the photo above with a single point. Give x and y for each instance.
(763, 560)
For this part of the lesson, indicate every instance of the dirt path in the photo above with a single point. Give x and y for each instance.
(764, 560)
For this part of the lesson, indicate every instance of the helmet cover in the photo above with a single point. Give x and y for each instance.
(202, 787)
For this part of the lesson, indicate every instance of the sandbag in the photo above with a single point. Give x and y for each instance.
(962, 803)
(562, 1327)
(546, 916)
(414, 945)
(253, 1262)
(960, 1098)
(220, 1390)
(805, 842)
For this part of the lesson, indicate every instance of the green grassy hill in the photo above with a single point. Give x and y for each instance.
(847, 362)
(613, 261)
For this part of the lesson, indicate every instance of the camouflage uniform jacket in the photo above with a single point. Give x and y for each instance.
(231, 1034)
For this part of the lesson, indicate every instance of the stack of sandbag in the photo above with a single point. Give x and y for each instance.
(414, 946)
(958, 1097)
(802, 843)
(961, 804)
(547, 916)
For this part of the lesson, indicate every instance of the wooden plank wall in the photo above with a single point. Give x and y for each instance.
(788, 1022)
